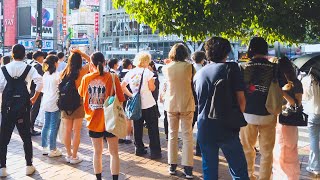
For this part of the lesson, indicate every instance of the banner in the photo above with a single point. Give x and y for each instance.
(10, 22)
(47, 22)
(29, 44)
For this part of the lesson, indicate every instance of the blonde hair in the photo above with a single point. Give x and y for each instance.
(142, 59)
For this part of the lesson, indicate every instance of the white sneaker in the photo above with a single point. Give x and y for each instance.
(30, 170)
(67, 158)
(312, 171)
(55, 153)
(75, 160)
(45, 151)
(3, 172)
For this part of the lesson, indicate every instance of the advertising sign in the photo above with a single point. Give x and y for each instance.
(96, 24)
(29, 44)
(47, 22)
(10, 22)
(64, 18)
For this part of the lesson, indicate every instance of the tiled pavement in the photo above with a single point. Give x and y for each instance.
(132, 167)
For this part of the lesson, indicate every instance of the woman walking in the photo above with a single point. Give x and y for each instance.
(51, 80)
(180, 106)
(74, 71)
(93, 106)
(148, 104)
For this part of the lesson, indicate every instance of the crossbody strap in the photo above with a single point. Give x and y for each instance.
(141, 81)
(25, 73)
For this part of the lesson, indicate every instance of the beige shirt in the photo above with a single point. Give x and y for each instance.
(179, 96)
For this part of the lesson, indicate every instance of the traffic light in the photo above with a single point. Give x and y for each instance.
(74, 4)
(39, 43)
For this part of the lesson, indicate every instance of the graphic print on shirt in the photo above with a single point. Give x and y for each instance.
(97, 94)
(136, 82)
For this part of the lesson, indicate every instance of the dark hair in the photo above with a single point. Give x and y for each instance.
(257, 46)
(73, 66)
(5, 60)
(52, 53)
(126, 63)
(198, 56)
(37, 54)
(178, 52)
(217, 49)
(97, 59)
(29, 55)
(45, 54)
(112, 63)
(286, 67)
(49, 65)
(18, 52)
(60, 55)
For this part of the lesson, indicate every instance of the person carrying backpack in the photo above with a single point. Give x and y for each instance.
(71, 104)
(15, 108)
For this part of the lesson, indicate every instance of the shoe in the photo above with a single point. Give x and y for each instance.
(167, 137)
(45, 151)
(68, 158)
(121, 141)
(55, 153)
(173, 169)
(75, 160)
(35, 133)
(3, 172)
(198, 154)
(128, 141)
(154, 156)
(312, 171)
(141, 152)
(30, 170)
(188, 172)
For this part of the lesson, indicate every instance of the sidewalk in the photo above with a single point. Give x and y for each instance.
(132, 167)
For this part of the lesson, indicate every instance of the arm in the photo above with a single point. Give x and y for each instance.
(3, 82)
(241, 100)
(84, 55)
(288, 98)
(151, 85)
(125, 89)
(37, 79)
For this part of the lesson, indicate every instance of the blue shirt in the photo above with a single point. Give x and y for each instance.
(210, 130)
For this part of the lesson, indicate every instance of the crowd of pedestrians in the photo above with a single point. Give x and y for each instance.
(230, 102)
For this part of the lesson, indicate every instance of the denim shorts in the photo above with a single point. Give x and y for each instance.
(104, 134)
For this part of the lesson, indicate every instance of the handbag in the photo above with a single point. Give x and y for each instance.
(274, 98)
(223, 105)
(133, 107)
(114, 117)
(296, 118)
(61, 132)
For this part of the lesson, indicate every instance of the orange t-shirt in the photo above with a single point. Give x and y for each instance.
(83, 71)
(95, 89)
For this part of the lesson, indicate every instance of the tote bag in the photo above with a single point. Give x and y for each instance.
(274, 98)
(133, 106)
(114, 117)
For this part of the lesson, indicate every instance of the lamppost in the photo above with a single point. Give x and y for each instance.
(39, 25)
(2, 26)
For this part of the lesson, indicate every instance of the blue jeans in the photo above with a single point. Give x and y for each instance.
(233, 152)
(314, 132)
(52, 123)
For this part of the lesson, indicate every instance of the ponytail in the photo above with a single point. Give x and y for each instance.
(100, 68)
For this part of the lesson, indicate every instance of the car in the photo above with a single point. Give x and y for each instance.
(159, 67)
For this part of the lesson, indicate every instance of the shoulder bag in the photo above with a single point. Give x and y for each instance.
(114, 117)
(133, 107)
(296, 118)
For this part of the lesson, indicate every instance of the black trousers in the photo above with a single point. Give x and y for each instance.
(35, 111)
(150, 116)
(165, 123)
(7, 127)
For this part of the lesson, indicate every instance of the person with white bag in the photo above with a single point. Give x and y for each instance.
(95, 87)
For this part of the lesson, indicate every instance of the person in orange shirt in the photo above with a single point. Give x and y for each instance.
(95, 87)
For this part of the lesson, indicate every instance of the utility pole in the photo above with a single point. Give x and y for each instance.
(138, 43)
(39, 25)
(2, 26)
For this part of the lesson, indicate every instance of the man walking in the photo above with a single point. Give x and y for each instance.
(15, 108)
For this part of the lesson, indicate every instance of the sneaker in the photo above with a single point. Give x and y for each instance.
(30, 170)
(173, 169)
(75, 160)
(312, 171)
(68, 158)
(128, 141)
(55, 153)
(45, 151)
(154, 156)
(141, 152)
(188, 172)
(121, 141)
(3, 172)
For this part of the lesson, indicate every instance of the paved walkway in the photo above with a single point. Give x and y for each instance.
(132, 167)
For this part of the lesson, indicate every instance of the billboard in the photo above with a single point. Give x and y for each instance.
(47, 22)
(29, 44)
(10, 22)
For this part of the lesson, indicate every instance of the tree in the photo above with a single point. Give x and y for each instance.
(276, 20)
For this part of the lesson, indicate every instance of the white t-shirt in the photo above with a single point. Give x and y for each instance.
(133, 78)
(50, 91)
(61, 66)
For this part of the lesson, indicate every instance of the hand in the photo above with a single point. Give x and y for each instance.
(76, 51)
(33, 100)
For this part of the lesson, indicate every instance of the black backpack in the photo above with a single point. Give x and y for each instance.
(69, 98)
(15, 97)
(224, 106)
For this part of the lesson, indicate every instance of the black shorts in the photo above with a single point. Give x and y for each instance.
(105, 134)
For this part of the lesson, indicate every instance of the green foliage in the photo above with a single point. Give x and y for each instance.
(290, 21)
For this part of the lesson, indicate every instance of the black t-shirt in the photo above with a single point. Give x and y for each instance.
(209, 129)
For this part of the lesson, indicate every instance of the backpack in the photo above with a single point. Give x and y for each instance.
(15, 97)
(224, 106)
(69, 98)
